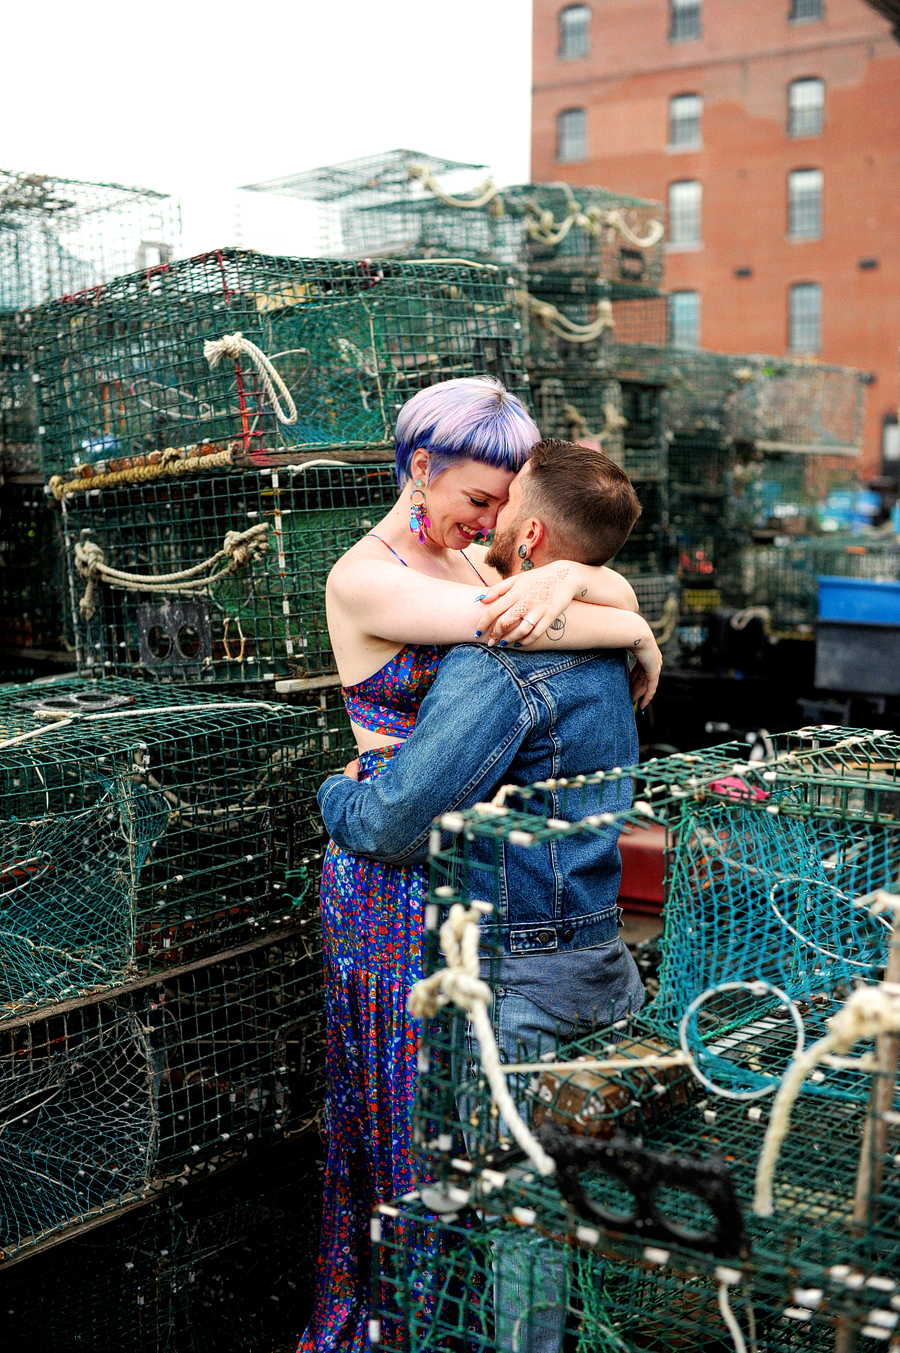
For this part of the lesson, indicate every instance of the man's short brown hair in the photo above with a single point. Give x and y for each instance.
(585, 501)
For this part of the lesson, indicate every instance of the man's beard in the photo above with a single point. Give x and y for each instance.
(502, 553)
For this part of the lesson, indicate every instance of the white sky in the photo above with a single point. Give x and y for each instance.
(199, 99)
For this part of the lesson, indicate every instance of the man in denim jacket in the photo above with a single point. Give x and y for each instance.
(496, 716)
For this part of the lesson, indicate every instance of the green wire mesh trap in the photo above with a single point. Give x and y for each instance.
(783, 577)
(591, 231)
(58, 236)
(33, 583)
(142, 828)
(580, 405)
(124, 384)
(19, 452)
(266, 618)
(223, 1267)
(112, 1100)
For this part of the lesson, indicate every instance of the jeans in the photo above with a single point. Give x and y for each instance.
(531, 1273)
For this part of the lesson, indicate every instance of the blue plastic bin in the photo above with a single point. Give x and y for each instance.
(859, 601)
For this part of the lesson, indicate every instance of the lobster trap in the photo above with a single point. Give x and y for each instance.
(226, 1265)
(782, 578)
(234, 356)
(34, 614)
(141, 830)
(19, 452)
(58, 236)
(580, 405)
(216, 579)
(111, 1100)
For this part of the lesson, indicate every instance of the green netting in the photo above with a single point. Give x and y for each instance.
(790, 493)
(123, 374)
(33, 583)
(223, 1267)
(783, 576)
(579, 404)
(110, 1101)
(59, 236)
(637, 320)
(266, 619)
(18, 406)
(568, 321)
(157, 826)
(474, 1281)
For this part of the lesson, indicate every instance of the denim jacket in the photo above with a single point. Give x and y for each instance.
(493, 717)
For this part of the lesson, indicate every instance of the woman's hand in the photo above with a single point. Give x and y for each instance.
(646, 670)
(520, 609)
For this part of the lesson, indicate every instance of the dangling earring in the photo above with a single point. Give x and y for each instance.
(418, 518)
(526, 562)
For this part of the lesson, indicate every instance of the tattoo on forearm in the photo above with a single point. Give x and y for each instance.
(584, 591)
(557, 628)
(636, 644)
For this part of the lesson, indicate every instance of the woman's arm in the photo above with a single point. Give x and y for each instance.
(544, 593)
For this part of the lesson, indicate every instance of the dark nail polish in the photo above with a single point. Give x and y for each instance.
(482, 597)
(478, 634)
(517, 645)
(502, 643)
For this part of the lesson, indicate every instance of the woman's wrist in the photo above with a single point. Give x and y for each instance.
(642, 632)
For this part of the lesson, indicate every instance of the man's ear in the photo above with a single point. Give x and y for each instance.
(535, 534)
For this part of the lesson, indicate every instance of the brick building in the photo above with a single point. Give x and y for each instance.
(771, 129)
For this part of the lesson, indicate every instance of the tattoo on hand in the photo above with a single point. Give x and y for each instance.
(557, 629)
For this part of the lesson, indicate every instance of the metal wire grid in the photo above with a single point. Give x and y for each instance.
(33, 583)
(18, 405)
(783, 577)
(59, 236)
(638, 320)
(579, 404)
(227, 1265)
(789, 493)
(265, 620)
(122, 372)
(519, 226)
(109, 1101)
(154, 830)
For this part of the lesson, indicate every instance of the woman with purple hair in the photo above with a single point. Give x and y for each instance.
(395, 601)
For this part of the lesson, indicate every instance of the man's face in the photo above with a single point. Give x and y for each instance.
(511, 520)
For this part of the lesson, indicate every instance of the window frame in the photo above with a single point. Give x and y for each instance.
(696, 141)
(678, 243)
(794, 318)
(561, 52)
(688, 13)
(696, 320)
(580, 159)
(793, 111)
(797, 207)
(796, 5)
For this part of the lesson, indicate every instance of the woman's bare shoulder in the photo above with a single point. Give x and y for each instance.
(477, 555)
(365, 560)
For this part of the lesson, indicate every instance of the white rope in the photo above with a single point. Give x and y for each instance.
(561, 326)
(135, 713)
(741, 619)
(867, 1013)
(239, 548)
(233, 345)
(734, 1329)
(544, 227)
(460, 983)
(487, 191)
(664, 628)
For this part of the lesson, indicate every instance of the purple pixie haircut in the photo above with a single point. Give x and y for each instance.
(473, 418)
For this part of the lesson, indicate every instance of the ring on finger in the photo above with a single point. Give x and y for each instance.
(527, 620)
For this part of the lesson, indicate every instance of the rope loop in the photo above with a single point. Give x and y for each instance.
(485, 193)
(232, 346)
(239, 548)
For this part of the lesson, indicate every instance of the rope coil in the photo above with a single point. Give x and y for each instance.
(560, 325)
(233, 345)
(239, 548)
(544, 227)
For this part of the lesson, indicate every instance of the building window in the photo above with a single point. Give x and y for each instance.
(805, 204)
(574, 32)
(806, 11)
(684, 20)
(684, 319)
(806, 107)
(805, 317)
(685, 201)
(571, 136)
(684, 120)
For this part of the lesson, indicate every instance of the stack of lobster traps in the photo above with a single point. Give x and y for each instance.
(717, 1170)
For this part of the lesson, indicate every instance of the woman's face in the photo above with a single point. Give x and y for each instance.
(463, 501)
